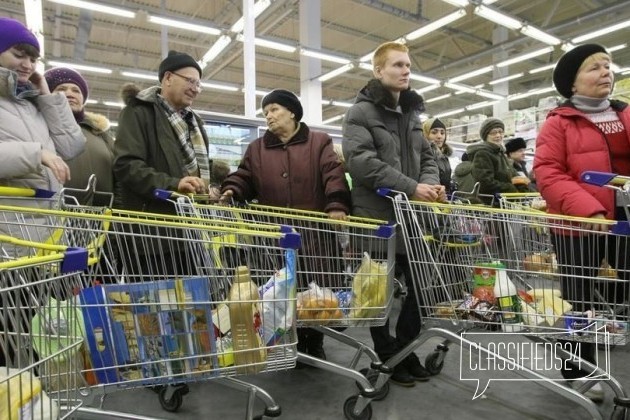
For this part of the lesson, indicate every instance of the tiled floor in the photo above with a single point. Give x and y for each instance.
(310, 393)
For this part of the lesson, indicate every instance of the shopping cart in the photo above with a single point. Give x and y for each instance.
(162, 271)
(39, 350)
(345, 279)
(468, 277)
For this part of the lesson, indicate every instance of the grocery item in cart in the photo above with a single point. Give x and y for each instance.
(508, 302)
(369, 288)
(278, 303)
(318, 305)
(22, 397)
(245, 321)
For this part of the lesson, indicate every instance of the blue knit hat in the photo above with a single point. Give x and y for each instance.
(13, 32)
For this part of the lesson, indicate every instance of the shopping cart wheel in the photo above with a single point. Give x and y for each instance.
(173, 403)
(372, 376)
(434, 362)
(348, 408)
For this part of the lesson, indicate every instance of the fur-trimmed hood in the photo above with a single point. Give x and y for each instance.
(130, 93)
(99, 123)
(375, 92)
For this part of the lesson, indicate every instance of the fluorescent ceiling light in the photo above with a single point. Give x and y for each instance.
(265, 43)
(113, 123)
(479, 105)
(333, 119)
(342, 104)
(436, 24)
(540, 35)
(497, 17)
(506, 79)
(567, 46)
(184, 25)
(617, 48)
(605, 31)
(529, 93)
(216, 86)
(148, 76)
(448, 113)
(260, 92)
(215, 50)
(525, 57)
(259, 7)
(625, 71)
(486, 94)
(336, 72)
(367, 57)
(457, 3)
(91, 101)
(114, 104)
(97, 7)
(428, 88)
(459, 88)
(366, 66)
(81, 67)
(543, 68)
(471, 74)
(35, 23)
(324, 56)
(421, 78)
(438, 98)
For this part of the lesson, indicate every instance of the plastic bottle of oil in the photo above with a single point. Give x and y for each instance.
(244, 304)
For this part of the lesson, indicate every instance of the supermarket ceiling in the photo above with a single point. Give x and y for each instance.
(447, 42)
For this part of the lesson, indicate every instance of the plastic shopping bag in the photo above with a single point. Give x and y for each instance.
(369, 289)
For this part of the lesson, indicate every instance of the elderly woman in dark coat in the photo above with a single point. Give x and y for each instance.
(293, 166)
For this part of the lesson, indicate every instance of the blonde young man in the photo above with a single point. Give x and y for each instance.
(384, 146)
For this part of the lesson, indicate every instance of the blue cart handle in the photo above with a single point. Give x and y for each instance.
(600, 179)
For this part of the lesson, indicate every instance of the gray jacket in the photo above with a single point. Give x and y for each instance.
(384, 146)
(30, 123)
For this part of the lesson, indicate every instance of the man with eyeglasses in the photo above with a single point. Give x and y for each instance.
(161, 142)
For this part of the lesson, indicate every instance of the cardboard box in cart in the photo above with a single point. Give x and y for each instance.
(150, 330)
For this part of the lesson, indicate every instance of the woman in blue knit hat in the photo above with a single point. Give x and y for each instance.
(37, 129)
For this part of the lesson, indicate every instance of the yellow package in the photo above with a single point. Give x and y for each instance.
(369, 289)
(24, 390)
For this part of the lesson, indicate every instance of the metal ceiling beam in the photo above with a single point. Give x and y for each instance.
(84, 27)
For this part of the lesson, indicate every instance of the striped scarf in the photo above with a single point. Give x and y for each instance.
(193, 148)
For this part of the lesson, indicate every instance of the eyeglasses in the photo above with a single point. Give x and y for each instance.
(191, 82)
(495, 132)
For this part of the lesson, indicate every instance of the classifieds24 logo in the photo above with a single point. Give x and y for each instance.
(520, 356)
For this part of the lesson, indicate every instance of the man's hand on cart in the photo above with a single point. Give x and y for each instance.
(226, 197)
(56, 165)
(441, 193)
(192, 185)
(425, 192)
(597, 227)
(337, 215)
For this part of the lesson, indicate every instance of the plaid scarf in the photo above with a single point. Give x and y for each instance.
(193, 148)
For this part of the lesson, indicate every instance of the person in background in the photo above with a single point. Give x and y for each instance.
(490, 166)
(296, 167)
(384, 147)
(515, 151)
(435, 132)
(98, 156)
(219, 170)
(342, 160)
(462, 175)
(589, 131)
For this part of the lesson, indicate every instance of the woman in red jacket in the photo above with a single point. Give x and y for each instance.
(294, 166)
(589, 131)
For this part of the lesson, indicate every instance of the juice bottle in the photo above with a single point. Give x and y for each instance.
(244, 305)
(507, 298)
